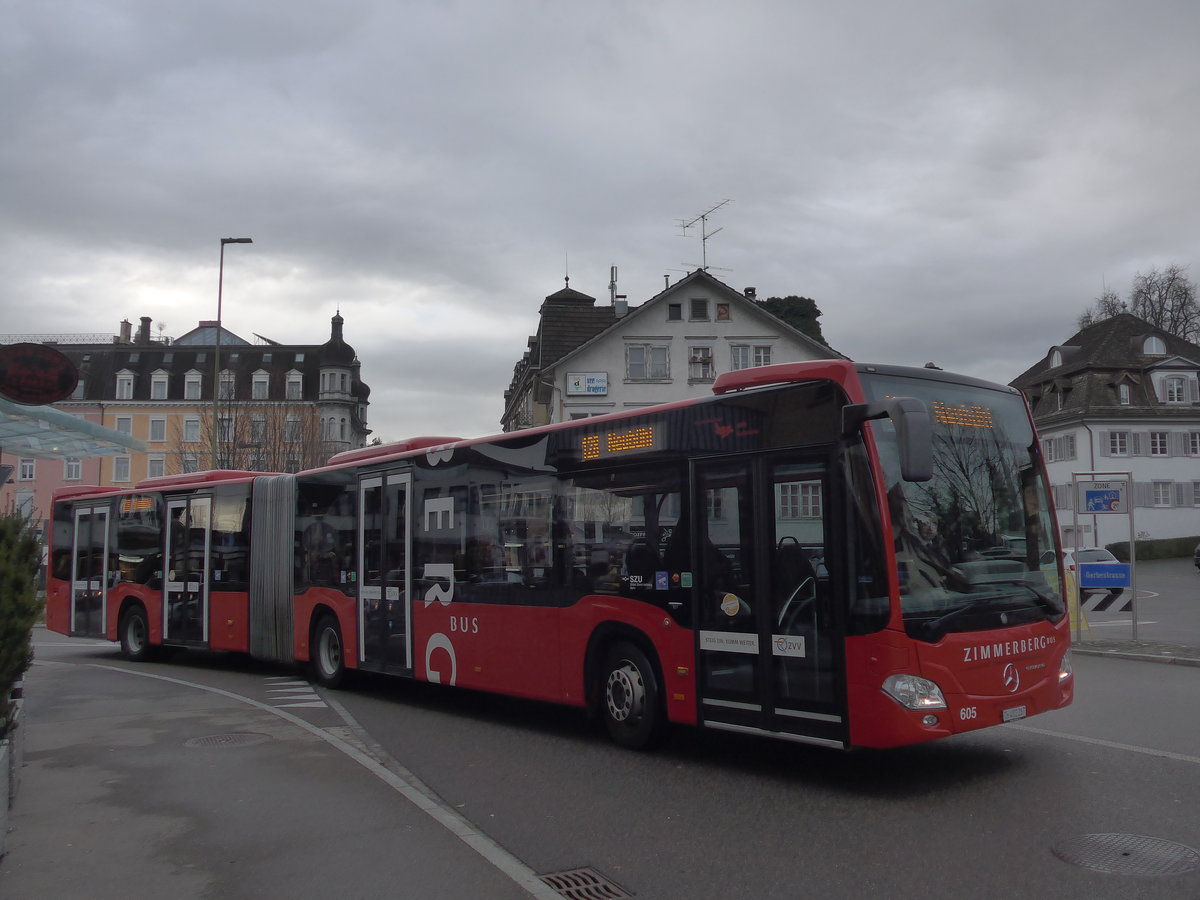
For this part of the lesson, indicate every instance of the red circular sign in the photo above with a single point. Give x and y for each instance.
(35, 374)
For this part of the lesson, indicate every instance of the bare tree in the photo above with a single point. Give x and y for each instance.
(1165, 299)
(256, 436)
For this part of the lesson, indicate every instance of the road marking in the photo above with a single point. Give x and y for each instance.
(1126, 622)
(1112, 745)
(401, 781)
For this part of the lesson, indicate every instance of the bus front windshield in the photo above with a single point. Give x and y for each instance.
(975, 544)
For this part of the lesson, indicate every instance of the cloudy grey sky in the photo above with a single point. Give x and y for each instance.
(950, 181)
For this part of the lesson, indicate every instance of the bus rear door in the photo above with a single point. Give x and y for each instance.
(769, 654)
(89, 570)
(384, 541)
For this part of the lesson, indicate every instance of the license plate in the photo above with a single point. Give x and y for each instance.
(1013, 713)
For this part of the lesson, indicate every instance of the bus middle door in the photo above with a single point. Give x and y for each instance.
(187, 552)
(383, 587)
(768, 652)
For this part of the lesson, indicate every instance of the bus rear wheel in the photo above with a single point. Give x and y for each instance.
(135, 634)
(631, 701)
(328, 660)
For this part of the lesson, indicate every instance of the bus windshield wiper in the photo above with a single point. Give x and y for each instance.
(1046, 601)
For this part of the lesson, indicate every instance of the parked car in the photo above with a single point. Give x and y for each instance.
(1073, 558)
(1196, 556)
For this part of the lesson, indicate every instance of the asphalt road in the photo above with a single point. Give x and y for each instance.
(1101, 800)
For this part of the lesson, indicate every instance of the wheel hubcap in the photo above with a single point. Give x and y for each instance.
(137, 633)
(626, 693)
(331, 652)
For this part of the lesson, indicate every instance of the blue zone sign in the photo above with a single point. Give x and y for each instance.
(1105, 575)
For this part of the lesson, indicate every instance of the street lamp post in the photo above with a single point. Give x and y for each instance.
(217, 351)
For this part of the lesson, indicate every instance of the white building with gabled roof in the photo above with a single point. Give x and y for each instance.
(587, 360)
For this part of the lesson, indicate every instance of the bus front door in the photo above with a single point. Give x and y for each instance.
(187, 553)
(385, 643)
(768, 654)
(89, 571)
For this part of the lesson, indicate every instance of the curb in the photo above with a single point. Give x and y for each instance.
(1169, 659)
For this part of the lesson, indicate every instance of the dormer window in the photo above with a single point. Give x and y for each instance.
(1123, 394)
(124, 385)
(1154, 346)
(1055, 358)
(1175, 389)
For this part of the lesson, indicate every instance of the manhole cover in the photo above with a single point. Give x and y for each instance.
(584, 884)
(237, 739)
(1128, 854)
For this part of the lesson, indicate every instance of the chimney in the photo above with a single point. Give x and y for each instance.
(621, 305)
(144, 331)
(751, 293)
(126, 332)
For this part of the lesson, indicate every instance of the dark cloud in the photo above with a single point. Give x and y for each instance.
(951, 182)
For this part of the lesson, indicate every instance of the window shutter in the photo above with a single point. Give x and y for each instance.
(1105, 446)
(1143, 493)
(1182, 491)
(1194, 389)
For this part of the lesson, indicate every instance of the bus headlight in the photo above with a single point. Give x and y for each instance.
(1064, 668)
(914, 692)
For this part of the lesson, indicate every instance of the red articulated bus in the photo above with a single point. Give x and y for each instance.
(833, 553)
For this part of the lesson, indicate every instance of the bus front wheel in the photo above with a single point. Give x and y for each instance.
(631, 702)
(135, 634)
(328, 660)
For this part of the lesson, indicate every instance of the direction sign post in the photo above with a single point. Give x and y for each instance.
(1105, 494)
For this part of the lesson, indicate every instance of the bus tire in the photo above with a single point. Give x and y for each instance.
(135, 634)
(630, 699)
(328, 653)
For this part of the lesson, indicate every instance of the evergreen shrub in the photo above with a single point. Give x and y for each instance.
(20, 556)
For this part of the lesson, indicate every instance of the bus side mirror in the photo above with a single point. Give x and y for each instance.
(914, 431)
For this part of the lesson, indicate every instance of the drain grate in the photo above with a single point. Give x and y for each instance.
(1128, 854)
(584, 884)
(236, 739)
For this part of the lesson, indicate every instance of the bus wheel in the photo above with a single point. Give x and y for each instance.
(327, 653)
(630, 701)
(135, 634)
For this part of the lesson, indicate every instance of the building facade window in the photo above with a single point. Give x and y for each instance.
(762, 356)
(1123, 394)
(1194, 443)
(124, 385)
(674, 312)
(158, 429)
(27, 470)
(291, 432)
(645, 362)
(800, 500)
(191, 385)
(1176, 390)
(259, 385)
(739, 357)
(125, 425)
(258, 429)
(120, 468)
(1118, 443)
(191, 463)
(156, 466)
(72, 469)
(295, 385)
(1196, 493)
(227, 385)
(1162, 493)
(1154, 346)
(191, 430)
(698, 310)
(700, 364)
(158, 385)
(1158, 443)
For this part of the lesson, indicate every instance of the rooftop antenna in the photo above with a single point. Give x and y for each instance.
(705, 234)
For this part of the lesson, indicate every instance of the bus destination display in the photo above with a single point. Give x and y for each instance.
(620, 442)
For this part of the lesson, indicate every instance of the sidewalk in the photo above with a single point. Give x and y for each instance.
(1148, 650)
(136, 786)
